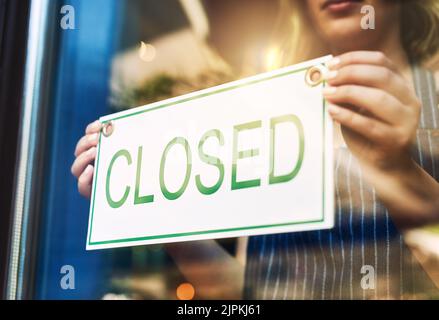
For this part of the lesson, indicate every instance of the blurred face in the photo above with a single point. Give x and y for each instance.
(338, 22)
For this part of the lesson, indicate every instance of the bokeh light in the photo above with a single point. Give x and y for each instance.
(147, 52)
(185, 291)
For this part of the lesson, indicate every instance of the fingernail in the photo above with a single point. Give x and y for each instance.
(331, 75)
(333, 110)
(92, 151)
(329, 90)
(333, 63)
(93, 137)
(88, 170)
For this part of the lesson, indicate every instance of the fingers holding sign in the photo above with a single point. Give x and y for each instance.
(370, 96)
(85, 154)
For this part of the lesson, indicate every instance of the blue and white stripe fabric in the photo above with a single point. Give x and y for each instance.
(327, 264)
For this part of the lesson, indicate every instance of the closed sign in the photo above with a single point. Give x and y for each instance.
(249, 157)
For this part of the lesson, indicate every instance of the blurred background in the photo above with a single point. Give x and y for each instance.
(120, 54)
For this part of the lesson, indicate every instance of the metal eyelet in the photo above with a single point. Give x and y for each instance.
(108, 129)
(315, 75)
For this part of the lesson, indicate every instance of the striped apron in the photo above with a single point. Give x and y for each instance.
(334, 264)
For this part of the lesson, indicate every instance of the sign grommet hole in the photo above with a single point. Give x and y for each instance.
(108, 129)
(315, 75)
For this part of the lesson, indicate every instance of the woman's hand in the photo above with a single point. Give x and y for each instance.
(376, 106)
(379, 112)
(85, 154)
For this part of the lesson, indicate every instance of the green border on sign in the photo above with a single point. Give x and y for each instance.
(201, 95)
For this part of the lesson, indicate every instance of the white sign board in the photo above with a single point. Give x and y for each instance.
(245, 158)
